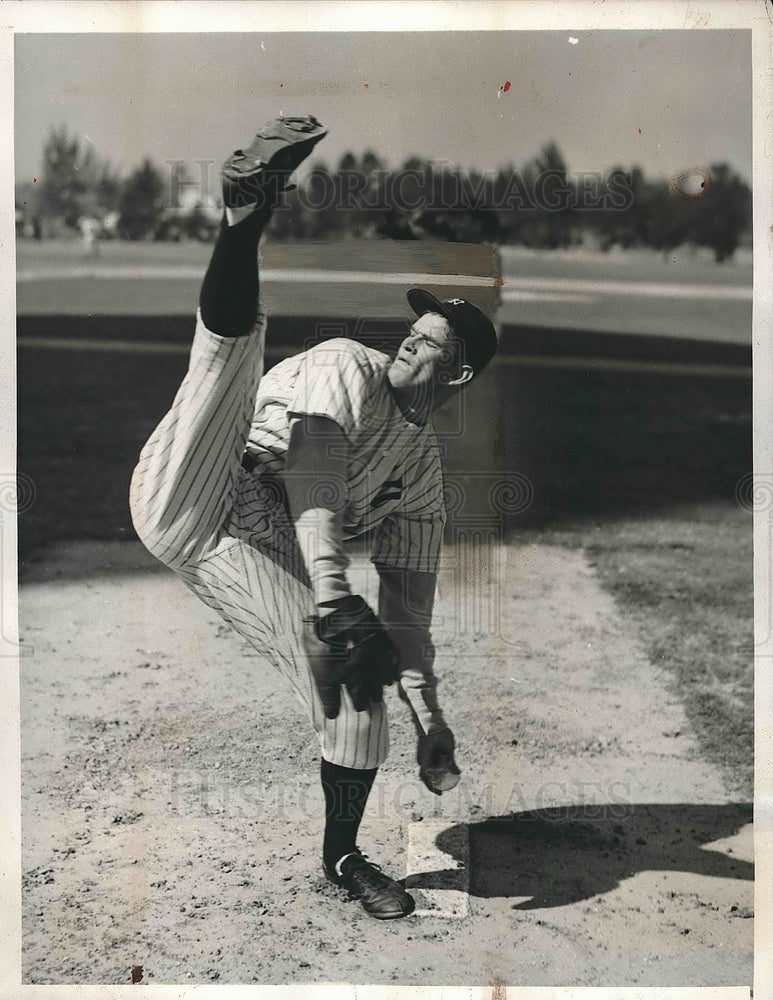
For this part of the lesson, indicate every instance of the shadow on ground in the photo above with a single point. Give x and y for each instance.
(566, 855)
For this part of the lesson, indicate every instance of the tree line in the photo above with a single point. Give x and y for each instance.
(538, 205)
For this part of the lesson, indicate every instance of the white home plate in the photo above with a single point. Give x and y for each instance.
(438, 879)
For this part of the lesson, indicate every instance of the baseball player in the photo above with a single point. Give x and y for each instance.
(252, 484)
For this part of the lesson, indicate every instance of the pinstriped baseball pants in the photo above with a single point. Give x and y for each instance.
(228, 536)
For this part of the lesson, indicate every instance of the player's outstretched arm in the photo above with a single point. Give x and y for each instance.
(406, 599)
(346, 644)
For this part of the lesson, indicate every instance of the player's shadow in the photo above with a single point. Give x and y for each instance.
(565, 855)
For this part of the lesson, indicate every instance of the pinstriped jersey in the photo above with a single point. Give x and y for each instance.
(394, 479)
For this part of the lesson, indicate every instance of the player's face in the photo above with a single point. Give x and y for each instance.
(425, 358)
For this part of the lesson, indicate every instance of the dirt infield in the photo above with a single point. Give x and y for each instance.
(170, 811)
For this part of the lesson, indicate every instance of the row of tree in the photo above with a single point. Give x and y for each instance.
(77, 188)
(540, 205)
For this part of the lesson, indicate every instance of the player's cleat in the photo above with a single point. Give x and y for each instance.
(380, 895)
(275, 152)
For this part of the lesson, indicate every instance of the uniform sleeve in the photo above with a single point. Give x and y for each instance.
(333, 381)
(405, 606)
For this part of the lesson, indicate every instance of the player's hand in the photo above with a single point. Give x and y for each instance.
(350, 646)
(435, 756)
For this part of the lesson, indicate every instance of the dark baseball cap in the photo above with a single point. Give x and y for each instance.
(468, 322)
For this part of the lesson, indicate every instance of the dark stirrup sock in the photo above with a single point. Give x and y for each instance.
(346, 792)
(229, 293)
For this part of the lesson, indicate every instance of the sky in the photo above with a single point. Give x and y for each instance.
(665, 100)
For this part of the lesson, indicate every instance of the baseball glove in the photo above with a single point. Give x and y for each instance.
(350, 647)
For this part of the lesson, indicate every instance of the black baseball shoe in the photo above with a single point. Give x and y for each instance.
(276, 151)
(380, 895)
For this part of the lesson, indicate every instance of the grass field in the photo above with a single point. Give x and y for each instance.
(682, 295)
(684, 576)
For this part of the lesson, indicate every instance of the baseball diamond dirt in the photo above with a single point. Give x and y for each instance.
(168, 823)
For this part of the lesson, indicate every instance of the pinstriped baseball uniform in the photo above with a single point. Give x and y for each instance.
(207, 498)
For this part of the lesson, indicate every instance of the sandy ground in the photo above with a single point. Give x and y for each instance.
(171, 807)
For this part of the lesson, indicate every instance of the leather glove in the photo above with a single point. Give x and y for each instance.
(350, 646)
(435, 756)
